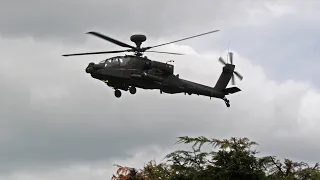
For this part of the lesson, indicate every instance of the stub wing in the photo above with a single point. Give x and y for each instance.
(231, 90)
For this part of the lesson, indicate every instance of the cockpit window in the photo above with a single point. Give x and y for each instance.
(102, 62)
(110, 62)
(115, 61)
(124, 61)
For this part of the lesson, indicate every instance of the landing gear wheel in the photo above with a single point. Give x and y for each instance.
(117, 93)
(227, 102)
(132, 90)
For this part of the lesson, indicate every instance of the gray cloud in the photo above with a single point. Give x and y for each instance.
(265, 31)
(69, 19)
(77, 119)
(74, 118)
(53, 114)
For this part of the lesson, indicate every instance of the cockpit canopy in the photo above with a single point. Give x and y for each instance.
(115, 61)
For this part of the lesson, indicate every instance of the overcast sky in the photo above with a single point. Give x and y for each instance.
(59, 123)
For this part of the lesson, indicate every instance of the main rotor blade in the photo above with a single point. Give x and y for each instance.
(102, 52)
(182, 39)
(222, 61)
(238, 75)
(165, 52)
(119, 43)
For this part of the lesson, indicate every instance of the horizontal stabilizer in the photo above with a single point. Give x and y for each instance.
(231, 90)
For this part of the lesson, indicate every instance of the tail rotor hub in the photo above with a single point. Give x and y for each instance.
(229, 67)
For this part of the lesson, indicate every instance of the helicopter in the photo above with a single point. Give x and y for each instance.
(129, 72)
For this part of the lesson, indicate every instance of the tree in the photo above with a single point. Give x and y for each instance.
(290, 170)
(233, 159)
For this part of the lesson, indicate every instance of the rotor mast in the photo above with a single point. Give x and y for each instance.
(138, 39)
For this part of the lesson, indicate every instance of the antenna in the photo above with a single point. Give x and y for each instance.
(228, 52)
(169, 61)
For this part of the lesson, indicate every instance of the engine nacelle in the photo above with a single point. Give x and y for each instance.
(165, 67)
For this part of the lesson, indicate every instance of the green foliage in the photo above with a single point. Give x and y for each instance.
(234, 159)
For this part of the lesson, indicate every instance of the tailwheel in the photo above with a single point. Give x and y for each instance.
(228, 104)
(132, 90)
(226, 101)
(117, 93)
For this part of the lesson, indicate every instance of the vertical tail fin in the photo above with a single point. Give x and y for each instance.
(227, 74)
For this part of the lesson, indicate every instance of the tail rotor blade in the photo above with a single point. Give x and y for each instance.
(231, 57)
(233, 80)
(238, 75)
(222, 61)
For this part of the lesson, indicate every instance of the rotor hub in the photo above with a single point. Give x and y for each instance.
(138, 39)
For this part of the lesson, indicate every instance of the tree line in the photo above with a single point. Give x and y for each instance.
(229, 159)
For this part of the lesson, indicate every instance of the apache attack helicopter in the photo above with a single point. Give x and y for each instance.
(129, 72)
